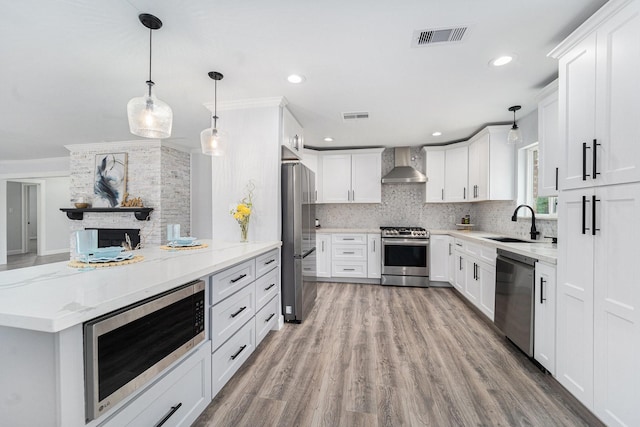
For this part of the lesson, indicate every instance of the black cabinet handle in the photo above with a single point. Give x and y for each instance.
(348, 253)
(449, 248)
(595, 161)
(242, 276)
(169, 414)
(239, 311)
(584, 161)
(593, 215)
(238, 353)
(556, 179)
(475, 271)
(542, 282)
(269, 318)
(442, 194)
(349, 269)
(584, 213)
(269, 262)
(460, 264)
(464, 193)
(269, 287)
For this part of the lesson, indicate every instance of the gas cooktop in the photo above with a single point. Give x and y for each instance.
(405, 232)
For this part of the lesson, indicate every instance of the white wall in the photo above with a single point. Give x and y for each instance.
(14, 218)
(201, 191)
(54, 236)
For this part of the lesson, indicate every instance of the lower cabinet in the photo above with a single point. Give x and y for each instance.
(439, 249)
(475, 275)
(227, 359)
(267, 319)
(374, 257)
(323, 257)
(178, 398)
(349, 256)
(545, 316)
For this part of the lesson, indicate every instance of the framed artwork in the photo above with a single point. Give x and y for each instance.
(110, 182)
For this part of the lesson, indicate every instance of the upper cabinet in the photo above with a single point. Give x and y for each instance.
(598, 102)
(548, 141)
(311, 159)
(456, 173)
(350, 176)
(491, 165)
(292, 136)
(434, 170)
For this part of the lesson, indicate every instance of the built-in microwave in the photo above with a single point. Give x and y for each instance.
(125, 349)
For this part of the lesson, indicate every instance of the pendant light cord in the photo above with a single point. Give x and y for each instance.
(150, 82)
(215, 104)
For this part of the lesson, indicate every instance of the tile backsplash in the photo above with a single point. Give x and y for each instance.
(495, 216)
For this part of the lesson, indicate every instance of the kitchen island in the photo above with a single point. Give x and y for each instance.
(42, 310)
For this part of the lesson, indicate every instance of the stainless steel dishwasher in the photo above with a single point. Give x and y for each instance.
(514, 308)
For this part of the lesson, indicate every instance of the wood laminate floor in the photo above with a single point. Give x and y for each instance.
(390, 356)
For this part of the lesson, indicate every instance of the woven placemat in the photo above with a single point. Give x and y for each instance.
(79, 264)
(183, 248)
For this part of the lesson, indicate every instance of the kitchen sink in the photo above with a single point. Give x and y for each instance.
(508, 240)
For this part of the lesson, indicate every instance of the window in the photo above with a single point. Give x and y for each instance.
(528, 185)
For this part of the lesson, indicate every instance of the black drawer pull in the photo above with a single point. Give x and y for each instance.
(269, 262)
(269, 287)
(349, 269)
(169, 414)
(542, 298)
(238, 353)
(269, 318)
(348, 253)
(239, 311)
(242, 276)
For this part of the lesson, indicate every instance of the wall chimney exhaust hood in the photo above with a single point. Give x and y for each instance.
(403, 172)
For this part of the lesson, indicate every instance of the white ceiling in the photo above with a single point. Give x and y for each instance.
(69, 67)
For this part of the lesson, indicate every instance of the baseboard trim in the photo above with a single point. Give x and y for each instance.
(55, 251)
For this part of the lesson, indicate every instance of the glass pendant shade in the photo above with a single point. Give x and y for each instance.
(149, 117)
(213, 142)
(515, 136)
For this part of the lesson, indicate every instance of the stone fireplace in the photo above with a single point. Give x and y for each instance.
(158, 174)
(117, 236)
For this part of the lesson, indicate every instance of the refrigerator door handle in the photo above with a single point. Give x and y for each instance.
(306, 254)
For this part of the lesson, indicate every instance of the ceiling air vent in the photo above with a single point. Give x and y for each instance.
(360, 115)
(438, 36)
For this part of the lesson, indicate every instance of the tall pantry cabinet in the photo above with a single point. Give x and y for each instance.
(598, 324)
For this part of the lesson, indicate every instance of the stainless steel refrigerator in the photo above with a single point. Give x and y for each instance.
(298, 242)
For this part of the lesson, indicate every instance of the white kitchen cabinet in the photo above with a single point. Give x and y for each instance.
(439, 246)
(486, 275)
(598, 67)
(544, 341)
(351, 176)
(451, 259)
(459, 268)
(292, 136)
(475, 274)
(323, 257)
(491, 165)
(456, 174)
(374, 258)
(548, 141)
(349, 255)
(434, 170)
(472, 284)
(312, 160)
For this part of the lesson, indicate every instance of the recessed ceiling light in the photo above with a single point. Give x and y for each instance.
(295, 78)
(436, 133)
(502, 60)
(328, 139)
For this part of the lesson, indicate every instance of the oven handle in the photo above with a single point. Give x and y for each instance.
(406, 242)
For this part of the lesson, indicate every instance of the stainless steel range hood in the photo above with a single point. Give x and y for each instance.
(403, 172)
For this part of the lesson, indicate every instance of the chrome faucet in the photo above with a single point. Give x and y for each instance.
(514, 218)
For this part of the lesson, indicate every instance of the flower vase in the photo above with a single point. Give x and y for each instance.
(244, 231)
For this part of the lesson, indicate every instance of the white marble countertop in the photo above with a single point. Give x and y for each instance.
(322, 230)
(542, 250)
(53, 297)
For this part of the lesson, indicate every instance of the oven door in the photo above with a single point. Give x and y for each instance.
(405, 257)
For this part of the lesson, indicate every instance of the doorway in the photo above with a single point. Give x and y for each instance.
(30, 218)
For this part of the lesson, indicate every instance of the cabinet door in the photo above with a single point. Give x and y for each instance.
(310, 160)
(323, 257)
(472, 284)
(374, 258)
(544, 341)
(438, 258)
(486, 275)
(366, 173)
(574, 343)
(577, 102)
(618, 103)
(549, 145)
(451, 257)
(336, 178)
(292, 138)
(479, 168)
(460, 272)
(434, 170)
(617, 305)
(455, 174)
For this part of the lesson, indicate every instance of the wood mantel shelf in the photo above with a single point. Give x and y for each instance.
(142, 214)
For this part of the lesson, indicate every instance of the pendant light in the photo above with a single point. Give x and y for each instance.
(212, 139)
(148, 116)
(515, 136)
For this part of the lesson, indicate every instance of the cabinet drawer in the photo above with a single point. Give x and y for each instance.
(228, 358)
(187, 385)
(266, 319)
(459, 245)
(349, 252)
(349, 269)
(267, 262)
(358, 239)
(266, 287)
(482, 253)
(231, 280)
(230, 314)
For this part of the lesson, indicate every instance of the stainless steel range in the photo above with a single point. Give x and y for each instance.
(405, 256)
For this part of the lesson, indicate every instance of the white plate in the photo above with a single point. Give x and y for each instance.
(183, 245)
(121, 257)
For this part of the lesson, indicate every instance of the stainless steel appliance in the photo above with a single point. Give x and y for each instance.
(298, 242)
(514, 310)
(405, 256)
(125, 349)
